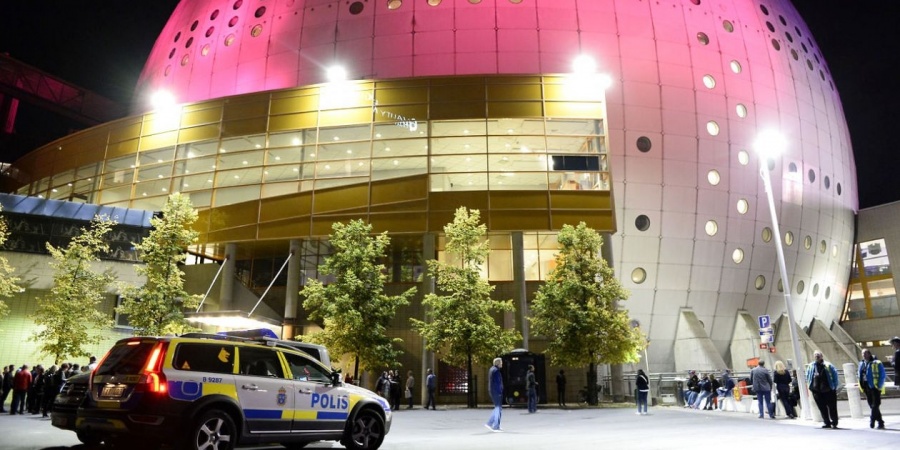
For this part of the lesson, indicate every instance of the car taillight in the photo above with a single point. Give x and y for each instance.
(154, 379)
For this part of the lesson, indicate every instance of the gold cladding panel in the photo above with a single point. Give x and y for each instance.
(519, 200)
(514, 109)
(295, 92)
(247, 233)
(341, 199)
(202, 223)
(156, 123)
(408, 112)
(513, 91)
(576, 110)
(402, 84)
(290, 105)
(450, 201)
(244, 127)
(596, 200)
(123, 148)
(518, 220)
(457, 110)
(215, 103)
(286, 206)
(601, 221)
(126, 130)
(457, 90)
(321, 225)
(158, 141)
(293, 121)
(416, 206)
(398, 223)
(236, 215)
(201, 117)
(246, 107)
(399, 190)
(286, 229)
(341, 117)
(438, 219)
(203, 133)
(399, 96)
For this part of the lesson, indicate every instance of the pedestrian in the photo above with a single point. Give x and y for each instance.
(895, 363)
(36, 391)
(379, 384)
(726, 389)
(6, 385)
(410, 384)
(871, 382)
(348, 379)
(561, 388)
(643, 391)
(692, 390)
(92, 362)
(705, 391)
(762, 386)
(394, 385)
(822, 379)
(783, 381)
(531, 390)
(495, 388)
(21, 383)
(430, 385)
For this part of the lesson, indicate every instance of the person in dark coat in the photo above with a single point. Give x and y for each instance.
(783, 382)
(561, 388)
(643, 390)
(6, 385)
(495, 388)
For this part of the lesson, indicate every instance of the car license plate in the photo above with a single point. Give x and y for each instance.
(112, 391)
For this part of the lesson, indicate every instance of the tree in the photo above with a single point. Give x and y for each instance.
(354, 308)
(68, 315)
(576, 308)
(459, 324)
(9, 284)
(156, 307)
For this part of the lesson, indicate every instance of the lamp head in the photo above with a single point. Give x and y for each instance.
(336, 73)
(769, 144)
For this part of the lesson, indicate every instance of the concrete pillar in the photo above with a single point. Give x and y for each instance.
(292, 291)
(851, 383)
(518, 260)
(616, 372)
(429, 253)
(226, 288)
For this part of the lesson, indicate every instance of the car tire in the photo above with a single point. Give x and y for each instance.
(366, 432)
(88, 439)
(213, 430)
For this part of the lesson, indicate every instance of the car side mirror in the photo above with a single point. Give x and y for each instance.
(335, 377)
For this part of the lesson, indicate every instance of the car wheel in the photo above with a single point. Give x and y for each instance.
(88, 439)
(366, 432)
(214, 430)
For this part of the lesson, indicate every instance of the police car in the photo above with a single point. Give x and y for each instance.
(215, 392)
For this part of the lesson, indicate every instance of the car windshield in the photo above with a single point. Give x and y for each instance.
(127, 358)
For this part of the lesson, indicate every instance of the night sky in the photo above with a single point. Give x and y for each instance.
(102, 44)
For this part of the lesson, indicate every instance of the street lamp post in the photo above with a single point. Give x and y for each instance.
(771, 143)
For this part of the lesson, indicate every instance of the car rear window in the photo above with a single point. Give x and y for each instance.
(126, 358)
(204, 358)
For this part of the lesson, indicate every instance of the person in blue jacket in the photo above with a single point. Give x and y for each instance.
(871, 382)
(822, 379)
(495, 387)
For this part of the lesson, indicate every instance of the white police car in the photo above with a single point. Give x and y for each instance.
(215, 392)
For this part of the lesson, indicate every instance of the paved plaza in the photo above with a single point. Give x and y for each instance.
(563, 429)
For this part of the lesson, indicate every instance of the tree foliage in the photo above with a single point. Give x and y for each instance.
(69, 316)
(156, 307)
(577, 310)
(354, 308)
(460, 324)
(9, 284)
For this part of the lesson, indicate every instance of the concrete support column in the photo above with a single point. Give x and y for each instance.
(226, 288)
(616, 373)
(521, 300)
(851, 381)
(292, 291)
(429, 253)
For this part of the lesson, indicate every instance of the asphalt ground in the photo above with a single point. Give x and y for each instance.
(666, 427)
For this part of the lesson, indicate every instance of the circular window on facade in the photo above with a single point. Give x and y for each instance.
(780, 286)
(713, 177)
(743, 157)
(642, 222)
(711, 227)
(795, 55)
(743, 206)
(798, 32)
(789, 239)
(764, 9)
(210, 31)
(792, 167)
(800, 286)
(781, 19)
(204, 50)
(177, 36)
(189, 42)
(644, 144)
(815, 290)
(767, 234)
(185, 60)
(229, 40)
(735, 66)
(760, 282)
(826, 181)
(807, 242)
(770, 163)
(261, 11)
(839, 188)
(728, 26)
(434, 2)
(788, 36)
(709, 81)
(702, 38)
(809, 64)
(770, 27)
(194, 25)
(394, 4)
(834, 251)
(696, 2)
(712, 128)
(741, 110)
(233, 21)
(737, 256)
(638, 275)
(214, 15)
(827, 291)
(168, 70)
(172, 53)
(811, 175)
(237, 4)
(256, 30)
(823, 246)
(776, 45)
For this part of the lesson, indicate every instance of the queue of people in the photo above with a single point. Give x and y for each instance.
(32, 389)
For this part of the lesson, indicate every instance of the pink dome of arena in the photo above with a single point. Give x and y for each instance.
(693, 83)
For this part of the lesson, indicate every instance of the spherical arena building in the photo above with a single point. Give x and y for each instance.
(636, 117)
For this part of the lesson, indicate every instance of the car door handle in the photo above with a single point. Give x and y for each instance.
(306, 391)
(250, 387)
